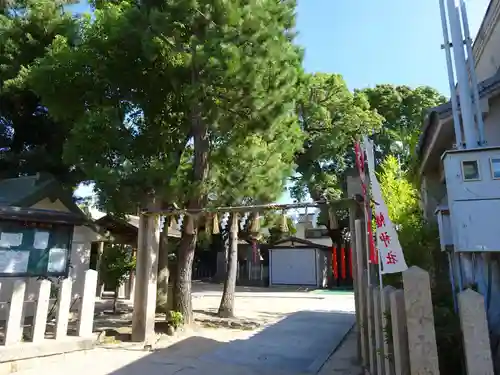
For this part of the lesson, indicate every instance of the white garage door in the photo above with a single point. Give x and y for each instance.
(293, 267)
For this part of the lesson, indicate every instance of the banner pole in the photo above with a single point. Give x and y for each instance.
(360, 162)
(367, 240)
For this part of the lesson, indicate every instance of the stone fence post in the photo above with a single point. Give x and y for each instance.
(475, 332)
(379, 330)
(41, 311)
(372, 352)
(420, 322)
(14, 331)
(362, 289)
(399, 333)
(87, 307)
(386, 326)
(63, 305)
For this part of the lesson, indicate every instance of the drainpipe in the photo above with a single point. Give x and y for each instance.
(472, 73)
(462, 76)
(451, 79)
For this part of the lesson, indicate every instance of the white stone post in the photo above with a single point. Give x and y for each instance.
(475, 332)
(63, 305)
(378, 328)
(14, 332)
(361, 286)
(130, 286)
(87, 307)
(372, 351)
(420, 322)
(356, 280)
(122, 292)
(399, 333)
(41, 311)
(386, 324)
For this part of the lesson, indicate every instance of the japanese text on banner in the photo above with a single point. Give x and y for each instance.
(390, 251)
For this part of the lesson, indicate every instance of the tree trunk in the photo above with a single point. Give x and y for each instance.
(226, 308)
(182, 287)
(197, 200)
(115, 300)
(162, 304)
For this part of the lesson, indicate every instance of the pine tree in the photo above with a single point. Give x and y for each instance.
(251, 83)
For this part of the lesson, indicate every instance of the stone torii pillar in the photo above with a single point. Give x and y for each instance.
(143, 318)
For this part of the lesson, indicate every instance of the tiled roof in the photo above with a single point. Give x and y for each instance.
(14, 191)
(488, 88)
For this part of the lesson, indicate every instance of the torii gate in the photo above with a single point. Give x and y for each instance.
(143, 319)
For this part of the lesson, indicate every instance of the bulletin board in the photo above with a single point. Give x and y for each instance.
(33, 249)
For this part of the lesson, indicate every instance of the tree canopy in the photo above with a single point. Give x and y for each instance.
(402, 109)
(331, 117)
(193, 98)
(129, 129)
(31, 139)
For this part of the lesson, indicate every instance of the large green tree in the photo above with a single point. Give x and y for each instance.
(31, 140)
(331, 118)
(244, 70)
(126, 87)
(149, 78)
(122, 87)
(403, 110)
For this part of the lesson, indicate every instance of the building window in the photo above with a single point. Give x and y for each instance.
(470, 170)
(495, 168)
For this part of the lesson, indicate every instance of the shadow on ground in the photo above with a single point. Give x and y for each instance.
(298, 344)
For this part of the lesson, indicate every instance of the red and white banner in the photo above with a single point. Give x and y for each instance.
(390, 251)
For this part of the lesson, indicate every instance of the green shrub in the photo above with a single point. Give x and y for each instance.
(176, 319)
(116, 264)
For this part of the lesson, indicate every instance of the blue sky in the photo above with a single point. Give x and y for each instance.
(378, 41)
(374, 41)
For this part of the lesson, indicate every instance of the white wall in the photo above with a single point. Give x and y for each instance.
(80, 258)
(432, 190)
(474, 205)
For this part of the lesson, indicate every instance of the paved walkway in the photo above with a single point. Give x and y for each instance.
(299, 343)
(299, 340)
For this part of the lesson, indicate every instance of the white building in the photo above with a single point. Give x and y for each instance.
(460, 186)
